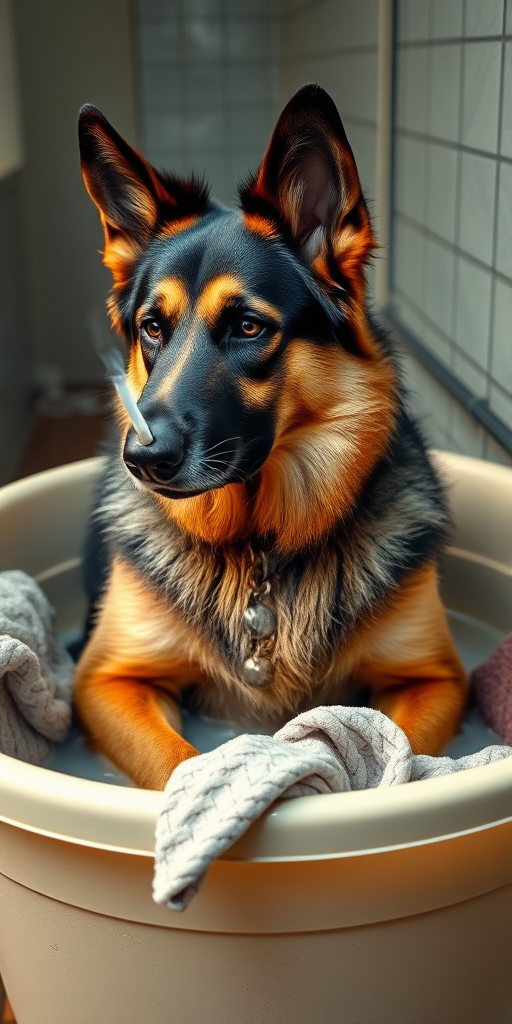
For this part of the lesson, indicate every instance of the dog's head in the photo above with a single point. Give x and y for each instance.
(250, 353)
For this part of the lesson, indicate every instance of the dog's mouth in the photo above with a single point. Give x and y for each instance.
(174, 490)
(177, 492)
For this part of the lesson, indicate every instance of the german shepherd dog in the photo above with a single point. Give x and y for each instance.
(284, 470)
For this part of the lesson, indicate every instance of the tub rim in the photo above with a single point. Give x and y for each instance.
(108, 817)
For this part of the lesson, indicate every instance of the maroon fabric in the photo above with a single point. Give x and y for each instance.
(492, 685)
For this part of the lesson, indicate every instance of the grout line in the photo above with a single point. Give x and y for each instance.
(450, 342)
(448, 144)
(497, 186)
(428, 44)
(451, 246)
(475, 406)
(458, 193)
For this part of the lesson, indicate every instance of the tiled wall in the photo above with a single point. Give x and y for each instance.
(452, 216)
(209, 85)
(335, 43)
(214, 75)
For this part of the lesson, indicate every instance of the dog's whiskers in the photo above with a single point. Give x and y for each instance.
(225, 441)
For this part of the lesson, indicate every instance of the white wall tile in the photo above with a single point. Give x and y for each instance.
(506, 120)
(467, 433)
(478, 187)
(473, 299)
(437, 344)
(203, 38)
(444, 92)
(482, 62)
(204, 84)
(439, 278)
(161, 85)
(253, 38)
(216, 168)
(431, 403)
(441, 191)
(508, 21)
(412, 96)
(250, 82)
(261, 121)
(242, 163)
(495, 453)
(363, 141)
(410, 319)
(446, 19)
(484, 17)
(501, 404)
(408, 262)
(410, 178)
(204, 130)
(501, 365)
(470, 375)
(165, 130)
(158, 40)
(504, 248)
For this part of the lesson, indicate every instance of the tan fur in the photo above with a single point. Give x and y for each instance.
(141, 649)
(333, 425)
(216, 295)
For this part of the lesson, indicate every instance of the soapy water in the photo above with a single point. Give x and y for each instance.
(475, 642)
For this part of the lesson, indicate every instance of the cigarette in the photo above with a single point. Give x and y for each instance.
(114, 365)
(138, 422)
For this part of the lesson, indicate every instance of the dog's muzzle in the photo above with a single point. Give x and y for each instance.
(158, 462)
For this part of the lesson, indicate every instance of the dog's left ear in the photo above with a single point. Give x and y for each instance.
(308, 183)
(135, 200)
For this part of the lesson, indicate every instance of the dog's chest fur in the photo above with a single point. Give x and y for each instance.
(320, 596)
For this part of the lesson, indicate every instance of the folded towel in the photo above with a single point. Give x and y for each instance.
(35, 672)
(492, 686)
(211, 800)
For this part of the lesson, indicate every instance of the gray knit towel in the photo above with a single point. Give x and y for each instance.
(35, 672)
(211, 800)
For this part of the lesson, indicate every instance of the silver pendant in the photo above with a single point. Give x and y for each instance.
(257, 671)
(260, 621)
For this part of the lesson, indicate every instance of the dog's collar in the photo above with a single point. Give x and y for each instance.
(260, 622)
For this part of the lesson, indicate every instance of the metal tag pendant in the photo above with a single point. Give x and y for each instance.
(258, 672)
(260, 621)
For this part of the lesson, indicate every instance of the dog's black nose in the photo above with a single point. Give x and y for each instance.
(158, 462)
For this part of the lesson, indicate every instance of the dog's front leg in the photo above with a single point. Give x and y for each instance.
(129, 678)
(410, 663)
(134, 723)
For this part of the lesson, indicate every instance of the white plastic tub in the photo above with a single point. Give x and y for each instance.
(390, 905)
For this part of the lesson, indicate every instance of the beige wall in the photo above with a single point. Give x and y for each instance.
(69, 53)
(10, 133)
(15, 341)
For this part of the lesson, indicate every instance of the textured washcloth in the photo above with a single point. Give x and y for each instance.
(35, 672)
(492, 685)
(211, 800)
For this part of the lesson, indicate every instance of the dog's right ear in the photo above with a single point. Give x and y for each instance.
(134, 199)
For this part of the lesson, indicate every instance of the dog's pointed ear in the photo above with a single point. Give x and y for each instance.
(134, 199)
(308, 181)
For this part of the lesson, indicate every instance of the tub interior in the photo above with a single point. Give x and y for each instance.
(474, 639)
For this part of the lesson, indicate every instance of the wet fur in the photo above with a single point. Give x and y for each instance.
(345, 503)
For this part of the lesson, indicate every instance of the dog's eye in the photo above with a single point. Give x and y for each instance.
(152, 329)
(250, 328)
